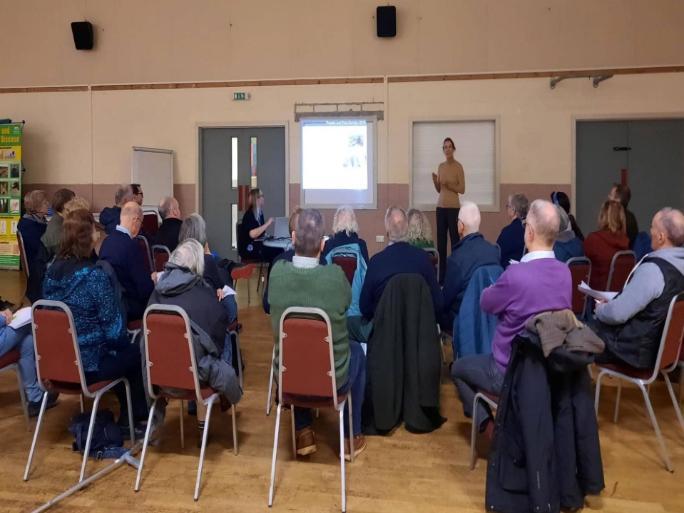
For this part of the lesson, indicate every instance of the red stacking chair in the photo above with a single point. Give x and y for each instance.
(244, 272)
(580, 269)
(666, 361)
(145, 248)
(10, 362)
(58, 363)
(434, 258)
(172, 373)
(620, 266)
(306, 377)
(160, 255)
(348, 265)
(150, 222)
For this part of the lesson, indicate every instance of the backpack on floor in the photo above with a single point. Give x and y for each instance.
(107, 440)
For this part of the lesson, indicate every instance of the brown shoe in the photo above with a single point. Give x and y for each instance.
(359, 447)
(306, 442)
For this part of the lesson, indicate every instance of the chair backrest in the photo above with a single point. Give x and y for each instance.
(620, 266)
(580, 270)
(58, 357)
(306, 361)
(22, 254)
(434, 258)
(242, 272)
(160, 255)
(348, 265)
(150, 223)
(169, 351)
(671, 340)
(145, 248)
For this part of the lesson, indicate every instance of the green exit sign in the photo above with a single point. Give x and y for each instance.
(240, 96)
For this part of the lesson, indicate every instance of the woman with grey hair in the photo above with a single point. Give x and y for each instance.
(512, 237)
(567, 244)
(182, 285)
(194, 227)
(345, 230)
(419, 230)
(33, 224)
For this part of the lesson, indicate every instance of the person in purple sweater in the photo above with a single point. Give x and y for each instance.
(539, 283)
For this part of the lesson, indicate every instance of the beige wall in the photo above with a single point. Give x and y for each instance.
(180, 40)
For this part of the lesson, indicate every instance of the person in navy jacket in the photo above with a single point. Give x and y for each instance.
(512, 238)
(399, 257)
(127, 258)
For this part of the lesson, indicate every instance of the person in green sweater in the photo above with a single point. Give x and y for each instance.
(303, 282)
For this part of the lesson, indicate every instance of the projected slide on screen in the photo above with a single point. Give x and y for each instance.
(337, 162)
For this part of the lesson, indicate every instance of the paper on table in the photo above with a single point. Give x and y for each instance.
(596, 294)
(227, 291)
(21, 318)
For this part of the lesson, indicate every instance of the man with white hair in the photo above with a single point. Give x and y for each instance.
(632, 323)
(469, 253)
(169, 211)
(127, 258)
(399, 257)
(539, 283)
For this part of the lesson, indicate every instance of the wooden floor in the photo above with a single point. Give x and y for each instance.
(403, 472)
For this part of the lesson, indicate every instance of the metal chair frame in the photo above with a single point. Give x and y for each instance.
(22, 393)
(338, 406)
(85, 390)
(480, 396)
(208, 402)
(613, 262)
(643, 385)
(160, 248)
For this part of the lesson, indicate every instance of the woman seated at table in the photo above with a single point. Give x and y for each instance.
(253, 229)
(106, 351)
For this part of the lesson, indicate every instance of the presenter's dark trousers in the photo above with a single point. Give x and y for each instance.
(447, 218)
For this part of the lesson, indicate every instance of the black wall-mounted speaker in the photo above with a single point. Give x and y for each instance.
(83, 34)
(386, 18)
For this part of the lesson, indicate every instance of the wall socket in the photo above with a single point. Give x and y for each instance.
(380, 238)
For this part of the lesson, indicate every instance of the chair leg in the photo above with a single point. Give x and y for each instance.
(473, 434)
(146, 441)
(352, 448)
(131, 422)
(273, 459)
(235, 432)
(675, 403)
(182, 431)
(617, 402)
(239, 358)
(294, 432)
(656, 428)
(343, 477)
(81, 400)
(91, 425)
(35, 435)
(22, 397)
(207, 417)
(598, 392)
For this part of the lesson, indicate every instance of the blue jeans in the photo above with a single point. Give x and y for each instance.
(356, 380)
(22, 339)
(230, 306)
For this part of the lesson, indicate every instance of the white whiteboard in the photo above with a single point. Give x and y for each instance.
(152, 168)
(475, 149)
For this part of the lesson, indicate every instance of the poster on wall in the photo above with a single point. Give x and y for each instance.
(10, 193)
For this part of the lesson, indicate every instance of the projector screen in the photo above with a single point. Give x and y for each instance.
(338, 162)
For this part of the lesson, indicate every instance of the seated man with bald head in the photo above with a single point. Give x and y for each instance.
(128, 260)
(539, 283)
(399, 257)
(470, 252)
(632, 323)
(167, 235)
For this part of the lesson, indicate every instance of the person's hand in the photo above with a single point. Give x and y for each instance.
(600, 301)
(269, 222)
(207, 251)
(154, 277)
(219, 294)
(435, 178)
(7, 314)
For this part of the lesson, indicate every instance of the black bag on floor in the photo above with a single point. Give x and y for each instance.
(107, 440)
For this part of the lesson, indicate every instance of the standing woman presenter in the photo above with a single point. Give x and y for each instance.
(449, 182)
